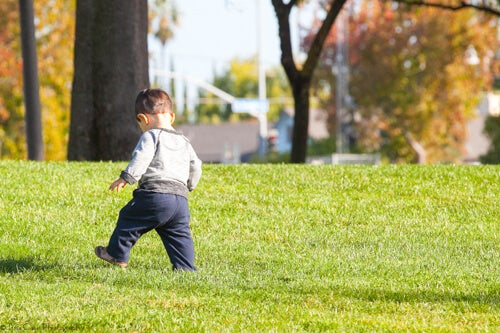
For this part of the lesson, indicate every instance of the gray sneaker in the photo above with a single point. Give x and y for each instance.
(102, 253)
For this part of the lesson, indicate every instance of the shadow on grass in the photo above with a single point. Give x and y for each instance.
(13, 266)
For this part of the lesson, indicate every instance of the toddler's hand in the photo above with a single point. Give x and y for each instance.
(117, 185)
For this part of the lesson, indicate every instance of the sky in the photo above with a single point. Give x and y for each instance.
(211, 33)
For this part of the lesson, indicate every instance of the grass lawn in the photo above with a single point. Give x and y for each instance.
(281, 248)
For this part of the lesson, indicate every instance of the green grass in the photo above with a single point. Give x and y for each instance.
(281, 248)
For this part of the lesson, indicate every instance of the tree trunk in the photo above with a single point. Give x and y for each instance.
(300, 80)
(83, 132)
(111, 66)
(417, 148)
(301, 122)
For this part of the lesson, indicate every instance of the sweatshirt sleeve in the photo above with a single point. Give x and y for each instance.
(141, 158)
(194, 170)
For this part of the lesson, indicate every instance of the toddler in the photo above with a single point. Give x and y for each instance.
(167, 168)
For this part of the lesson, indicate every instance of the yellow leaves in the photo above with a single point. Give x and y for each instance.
(55, 20)
(55, 62)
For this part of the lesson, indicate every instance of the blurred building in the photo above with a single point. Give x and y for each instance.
(318, 130)
(226, 143)
(477, 142)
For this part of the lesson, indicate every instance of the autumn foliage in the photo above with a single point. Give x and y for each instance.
(54, 26)
(416, 76)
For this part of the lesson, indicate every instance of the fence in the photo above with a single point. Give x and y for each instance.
(345, 159)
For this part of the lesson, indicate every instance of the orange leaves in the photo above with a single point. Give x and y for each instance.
(54, 32)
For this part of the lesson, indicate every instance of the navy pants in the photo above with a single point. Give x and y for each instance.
(168, 214)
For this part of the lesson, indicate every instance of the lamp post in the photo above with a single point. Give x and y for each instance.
(261, 116)
(341, 73)
(31, 83)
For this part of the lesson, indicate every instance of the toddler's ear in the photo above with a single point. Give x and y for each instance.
(141, 117)
(172, 118)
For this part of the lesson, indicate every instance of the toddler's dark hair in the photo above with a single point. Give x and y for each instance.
(153, 101)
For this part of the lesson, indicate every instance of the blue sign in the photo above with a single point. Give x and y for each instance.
(250, 105)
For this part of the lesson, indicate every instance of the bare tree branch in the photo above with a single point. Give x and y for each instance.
(317, 44)
(485, 7)
(283, 14)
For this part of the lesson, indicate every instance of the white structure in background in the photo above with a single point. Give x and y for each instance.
(228, 98)
(256, 107)
(477, 142)
(490, 106)
(260, 105)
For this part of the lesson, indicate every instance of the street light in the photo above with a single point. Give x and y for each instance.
(341, 71)
(261, 116)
